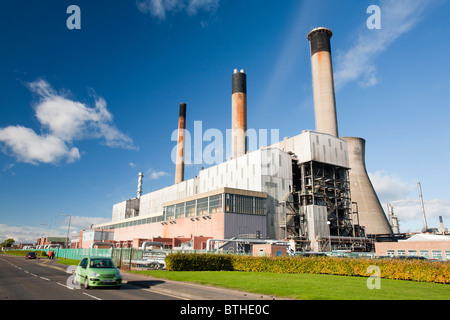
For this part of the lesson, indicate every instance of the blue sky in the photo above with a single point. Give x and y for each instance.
(83, 111)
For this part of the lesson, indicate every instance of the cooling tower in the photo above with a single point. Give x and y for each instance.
(179, 169)
(323, 82)
(239, 114)
(371, 214)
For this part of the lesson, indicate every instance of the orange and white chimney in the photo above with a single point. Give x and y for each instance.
(179, 170)
(323, 81)
(239, 114)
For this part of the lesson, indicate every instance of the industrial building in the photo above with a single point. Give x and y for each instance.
(310, 192)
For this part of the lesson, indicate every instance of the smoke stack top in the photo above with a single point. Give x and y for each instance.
(239, 81)
(320, 39)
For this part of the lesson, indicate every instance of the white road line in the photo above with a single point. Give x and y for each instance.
(94, 297)
(64, 286)
(44, 278)
(33, 275)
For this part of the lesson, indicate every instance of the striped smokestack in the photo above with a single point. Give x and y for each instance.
(239, 114)
(139, 189)
(179, 170)
(323, 81)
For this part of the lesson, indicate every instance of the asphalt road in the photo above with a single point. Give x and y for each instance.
(23, 279)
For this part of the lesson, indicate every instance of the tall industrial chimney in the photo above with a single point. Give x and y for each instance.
(323, 81)
(424, 218)
(179, 170)
(239, 114)
(139, 189)
(370, 212)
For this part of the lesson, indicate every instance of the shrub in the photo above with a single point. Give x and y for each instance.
(416, 270)
(199, 262)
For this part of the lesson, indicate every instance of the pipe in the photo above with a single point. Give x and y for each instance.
(238, 114)
(151, 243)
(179, 170)
(208, 242)
(323, 81)
(102, 243)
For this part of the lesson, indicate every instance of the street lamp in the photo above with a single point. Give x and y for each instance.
(68, 229)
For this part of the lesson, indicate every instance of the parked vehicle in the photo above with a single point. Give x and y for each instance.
(31, 255)
(98, 272)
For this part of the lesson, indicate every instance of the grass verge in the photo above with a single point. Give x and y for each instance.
(310, 286)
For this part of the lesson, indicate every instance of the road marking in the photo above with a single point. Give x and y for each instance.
(44, 278)
(65, 286)
(33, 275)
(159, 292)
(89, 295)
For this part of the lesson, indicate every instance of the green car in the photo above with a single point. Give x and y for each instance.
(98, 272)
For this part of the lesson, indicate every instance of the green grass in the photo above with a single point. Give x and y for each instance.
(310, 286)
(68, 261)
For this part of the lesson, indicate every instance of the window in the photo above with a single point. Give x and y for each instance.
(436, 254)
(83, 263)
(412, 253)
(170, 212)
(425, 254)
(190, 208)
(400, 253)
(244, 204)
(202, 206)
(447, 255)
(215, 203)
(390, 253)
(179, 211)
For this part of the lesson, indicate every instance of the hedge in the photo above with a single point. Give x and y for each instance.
(199, 262)
(416, 270)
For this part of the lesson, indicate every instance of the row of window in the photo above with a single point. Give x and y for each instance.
(435, 254)
(213, 204)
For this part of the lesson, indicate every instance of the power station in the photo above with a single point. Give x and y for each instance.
(310, 192)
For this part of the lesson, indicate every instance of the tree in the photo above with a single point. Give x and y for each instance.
(7, 243)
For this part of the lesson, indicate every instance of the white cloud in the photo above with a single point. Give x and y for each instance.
(29, 147)
(155, 175)
(390, 187)
(29, 234)
(404, 197)
(159, 8)
(63, 121)
(357, 63)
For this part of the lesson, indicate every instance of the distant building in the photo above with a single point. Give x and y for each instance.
(430, 246)
(44, 243)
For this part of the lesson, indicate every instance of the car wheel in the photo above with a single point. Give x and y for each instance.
(86, 283)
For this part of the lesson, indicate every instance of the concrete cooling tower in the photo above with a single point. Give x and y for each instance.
(371, 214)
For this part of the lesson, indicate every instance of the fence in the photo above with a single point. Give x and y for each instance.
(124, 258)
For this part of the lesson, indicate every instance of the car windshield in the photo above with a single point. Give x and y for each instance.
(102, 263)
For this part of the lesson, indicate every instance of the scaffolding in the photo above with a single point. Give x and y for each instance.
(323, 185)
